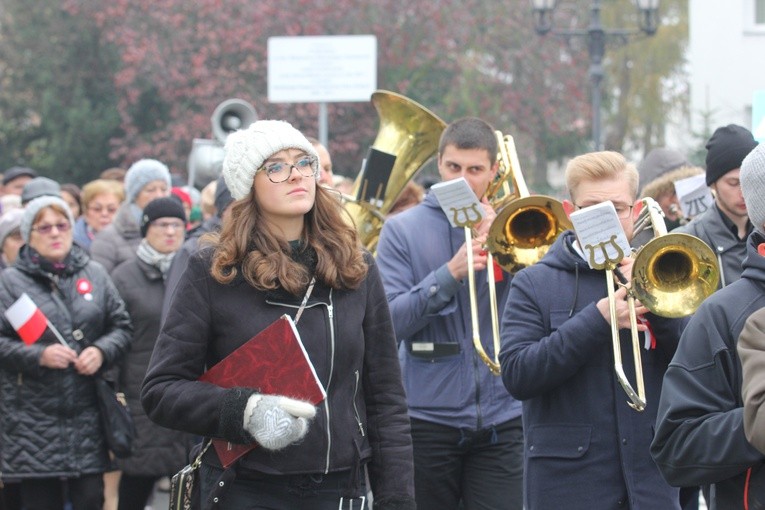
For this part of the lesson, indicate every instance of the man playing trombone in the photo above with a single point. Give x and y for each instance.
(466, 429)
(586, 448)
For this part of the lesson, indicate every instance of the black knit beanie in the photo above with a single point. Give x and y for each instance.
(726, 150)
(164, 207)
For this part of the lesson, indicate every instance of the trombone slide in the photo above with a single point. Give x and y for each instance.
(637, 399)
(493, 364)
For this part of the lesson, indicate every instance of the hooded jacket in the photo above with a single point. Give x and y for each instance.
(430, 307)
(349, 339)
(585, 447)
(700, 436)
(49, 418)
(730, 250)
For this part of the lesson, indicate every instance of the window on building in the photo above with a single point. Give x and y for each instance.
(759, 12)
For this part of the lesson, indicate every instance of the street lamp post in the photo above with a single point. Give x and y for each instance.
(596, 44)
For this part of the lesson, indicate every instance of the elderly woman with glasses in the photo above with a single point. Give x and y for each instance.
(101, 200)
(49, 424)
(286, 242)
(145, 180)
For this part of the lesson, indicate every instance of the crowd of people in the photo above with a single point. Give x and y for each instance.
(150, 283)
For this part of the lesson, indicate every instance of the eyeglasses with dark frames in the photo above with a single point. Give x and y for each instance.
(280, 171)
(167, 225)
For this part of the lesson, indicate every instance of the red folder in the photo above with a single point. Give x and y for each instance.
(274, 362)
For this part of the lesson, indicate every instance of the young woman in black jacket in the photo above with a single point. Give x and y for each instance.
(286, 243)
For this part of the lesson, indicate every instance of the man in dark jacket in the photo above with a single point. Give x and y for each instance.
(700, 436)
(725, 226)
(585, 447)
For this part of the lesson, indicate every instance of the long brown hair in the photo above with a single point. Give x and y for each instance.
(246, 244)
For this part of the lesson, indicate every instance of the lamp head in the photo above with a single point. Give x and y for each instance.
(543, 15)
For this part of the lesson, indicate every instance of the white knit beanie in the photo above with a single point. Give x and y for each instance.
(752, 178)
(35, 206)
(141, 173)
(247, 149)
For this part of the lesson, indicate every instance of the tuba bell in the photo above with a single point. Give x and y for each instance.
(411, 133)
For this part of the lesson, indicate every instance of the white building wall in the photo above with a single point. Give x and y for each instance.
(726, 61)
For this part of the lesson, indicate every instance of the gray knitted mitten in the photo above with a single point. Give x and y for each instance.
(275, 421)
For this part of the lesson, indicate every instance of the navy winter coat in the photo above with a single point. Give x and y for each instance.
(585, 447)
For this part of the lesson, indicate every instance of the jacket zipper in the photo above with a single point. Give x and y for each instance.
(356, 409)
(327, 413)
(331, 316)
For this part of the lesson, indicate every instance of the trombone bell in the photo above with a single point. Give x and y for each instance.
(524, 230)
(673, 274)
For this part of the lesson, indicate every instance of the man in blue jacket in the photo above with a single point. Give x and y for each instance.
(585, 447)
(466, 429)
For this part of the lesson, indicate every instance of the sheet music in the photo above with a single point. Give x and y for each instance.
(458, 202)
(600, 234)
(694, 195)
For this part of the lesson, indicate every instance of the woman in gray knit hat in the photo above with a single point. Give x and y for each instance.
(286, 249)
(145, 180)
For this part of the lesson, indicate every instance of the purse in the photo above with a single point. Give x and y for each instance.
(184, 492)
(116, 421)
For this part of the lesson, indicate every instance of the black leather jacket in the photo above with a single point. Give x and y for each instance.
(349, 338)
(729, 249)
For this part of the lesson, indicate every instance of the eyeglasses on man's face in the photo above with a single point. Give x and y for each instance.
(623, 211)
(167, 225)
(47, 228)
(280, 171)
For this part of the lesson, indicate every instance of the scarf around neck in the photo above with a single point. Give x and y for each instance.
(154, 258)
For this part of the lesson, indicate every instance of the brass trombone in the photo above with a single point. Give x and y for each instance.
(610, 265)
(520, 235)
(526, 226)
(672, 274)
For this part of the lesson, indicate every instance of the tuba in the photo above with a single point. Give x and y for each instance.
(411, 133)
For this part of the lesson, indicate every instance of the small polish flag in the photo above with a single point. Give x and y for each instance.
(28, 320)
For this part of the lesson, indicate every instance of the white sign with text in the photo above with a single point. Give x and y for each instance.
(322, 69)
